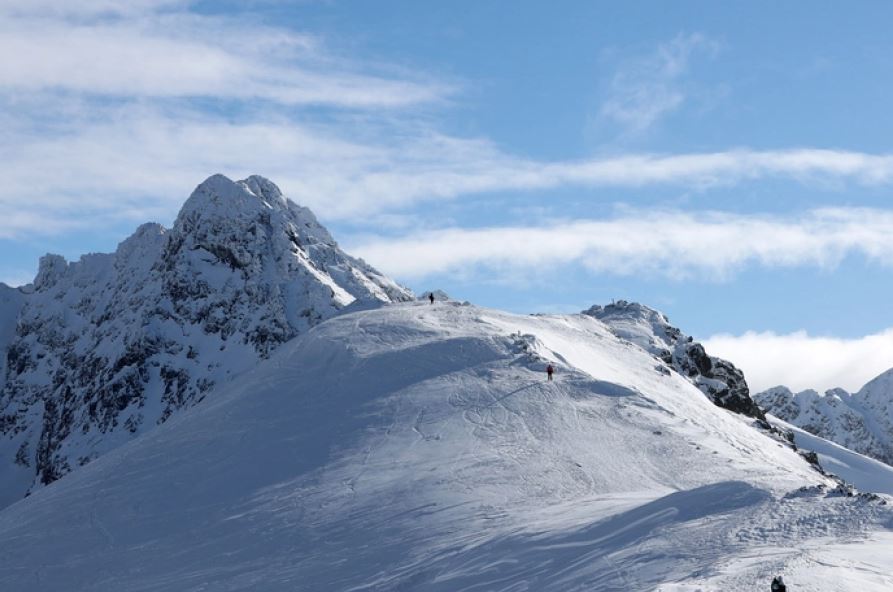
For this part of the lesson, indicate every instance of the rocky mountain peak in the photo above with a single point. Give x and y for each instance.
(50, 269)
(879, 391)
(140, 251)
(220, 195)
(719, 379)
(238, 222)
(646, 327)
(113, 344)
(266, 190)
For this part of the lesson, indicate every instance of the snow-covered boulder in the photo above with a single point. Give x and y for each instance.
(111, 345)
(719, 379)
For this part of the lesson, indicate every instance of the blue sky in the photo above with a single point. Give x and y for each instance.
(727, 163)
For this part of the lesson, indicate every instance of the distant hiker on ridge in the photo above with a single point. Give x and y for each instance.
(550, 371)
(778, 585)
(431, 297)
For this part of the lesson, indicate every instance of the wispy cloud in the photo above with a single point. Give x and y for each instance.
(674, 244)
(86, 8)
(172, 54)
(109, 117)
(644, 89)
(135, 161)
(115, 108)
(801, 361)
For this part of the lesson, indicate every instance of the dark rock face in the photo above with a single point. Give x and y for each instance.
(107, 347)
(720, 380)
(725, 384)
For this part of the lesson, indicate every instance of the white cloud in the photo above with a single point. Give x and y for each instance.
(728, 167)
(86, 8)
(114, 109)
(91, 126)
(800, 361)
(135, 161)
(142, 53)
(645, 89)
(673, 244)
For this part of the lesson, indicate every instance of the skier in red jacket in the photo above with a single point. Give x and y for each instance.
(550, 370)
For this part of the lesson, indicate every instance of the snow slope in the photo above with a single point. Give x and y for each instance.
(419, 447)
(861, 421)
(867, 474)
(110, 346)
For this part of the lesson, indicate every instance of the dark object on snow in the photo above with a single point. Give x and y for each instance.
(431, 297)
(778, 585)
(550, 370)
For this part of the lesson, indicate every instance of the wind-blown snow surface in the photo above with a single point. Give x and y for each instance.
(861, 421)
(419, 447)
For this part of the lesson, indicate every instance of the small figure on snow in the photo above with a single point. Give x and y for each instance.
(550, 370)
(778, 584)
(431, 297)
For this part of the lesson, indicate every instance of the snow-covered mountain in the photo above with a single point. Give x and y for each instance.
(390, 444)
(719, 379)
(102, 349)
(861, 421)
(420, 447)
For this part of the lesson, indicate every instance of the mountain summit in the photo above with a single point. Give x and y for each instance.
(718, 379)
(100, 350)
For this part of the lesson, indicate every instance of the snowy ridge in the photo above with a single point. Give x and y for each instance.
(719, 379)
(109, 346)
(419, 447)
(862, 421)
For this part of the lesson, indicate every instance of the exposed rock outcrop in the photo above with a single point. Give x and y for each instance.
(720, 380)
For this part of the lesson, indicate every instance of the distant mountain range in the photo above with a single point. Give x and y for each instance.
(861, 421)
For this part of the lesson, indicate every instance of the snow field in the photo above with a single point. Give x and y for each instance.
(419, 447)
